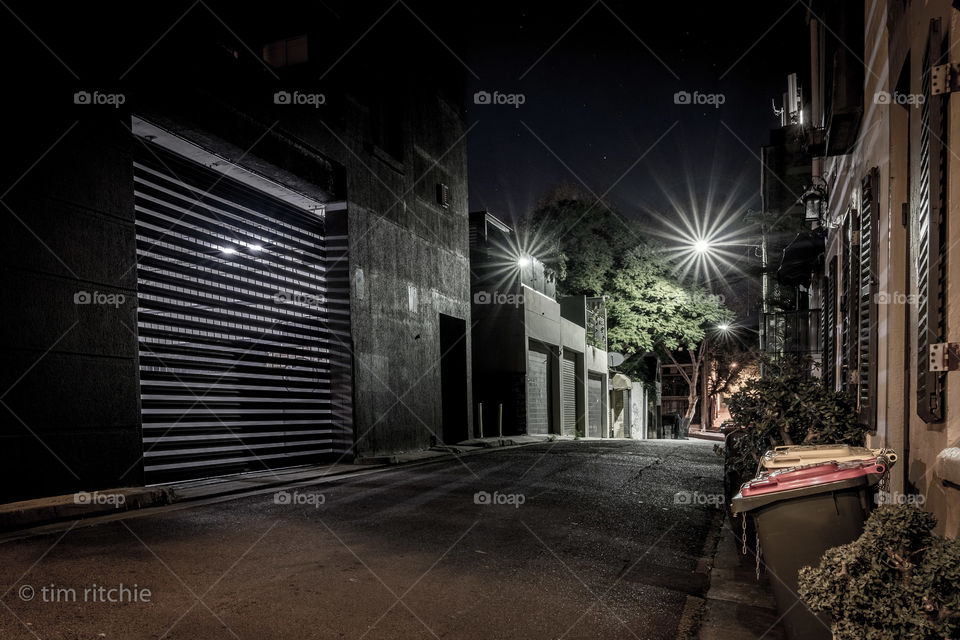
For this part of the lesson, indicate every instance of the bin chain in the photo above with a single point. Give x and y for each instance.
(758, 555)
(743, 539)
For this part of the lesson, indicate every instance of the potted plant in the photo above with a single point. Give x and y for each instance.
(898, 580)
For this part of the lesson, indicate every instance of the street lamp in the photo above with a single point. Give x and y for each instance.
(814, 200)
(701, 246)
(523, 261)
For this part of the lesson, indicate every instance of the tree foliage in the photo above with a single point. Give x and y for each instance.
(649, 308)
(582, 238)
(789, 405)
(897, 580)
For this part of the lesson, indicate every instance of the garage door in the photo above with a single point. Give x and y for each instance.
(594, 406)
(568, 389)
(538, 396)
(232, 325)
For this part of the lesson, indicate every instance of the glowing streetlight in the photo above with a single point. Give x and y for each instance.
(723, 327)
(523, 261)
(701, 246)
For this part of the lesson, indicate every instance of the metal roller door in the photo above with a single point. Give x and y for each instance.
(594, 406)
(568, 388)
(538, 396)
(232, 325)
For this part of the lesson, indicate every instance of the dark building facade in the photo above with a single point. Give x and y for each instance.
(237, 240)
(539, 364)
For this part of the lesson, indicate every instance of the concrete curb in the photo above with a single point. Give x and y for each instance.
(27, 514)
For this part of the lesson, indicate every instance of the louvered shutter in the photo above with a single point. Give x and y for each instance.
(828, 327)
(928, 227)
(867, 298)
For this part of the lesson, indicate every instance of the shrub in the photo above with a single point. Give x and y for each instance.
(789, 405)
(897, 580)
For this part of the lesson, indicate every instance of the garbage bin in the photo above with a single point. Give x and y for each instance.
(802, 511)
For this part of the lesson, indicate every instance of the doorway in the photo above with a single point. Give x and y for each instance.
(453, 378)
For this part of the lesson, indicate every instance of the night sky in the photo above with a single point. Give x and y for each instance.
(600, 99)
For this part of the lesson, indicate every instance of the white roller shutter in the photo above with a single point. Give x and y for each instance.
(538, 405)
(233, 325)
(568, 389)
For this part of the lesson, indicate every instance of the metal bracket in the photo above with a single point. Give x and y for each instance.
(945, 356)
(944, 78)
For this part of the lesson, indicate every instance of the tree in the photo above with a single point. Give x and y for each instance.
(649, 309)
(581, 237)
(729, 362)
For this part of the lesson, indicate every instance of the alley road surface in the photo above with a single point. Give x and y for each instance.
(584, 539)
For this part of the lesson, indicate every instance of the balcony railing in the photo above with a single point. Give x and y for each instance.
(791, 333)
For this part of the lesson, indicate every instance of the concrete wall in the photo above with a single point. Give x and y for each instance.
(70, 384)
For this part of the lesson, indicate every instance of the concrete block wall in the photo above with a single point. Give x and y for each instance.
(70, 417)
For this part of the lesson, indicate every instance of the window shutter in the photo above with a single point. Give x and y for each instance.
(867, 298)
(829, 326)
(848, 304)
(929, 245)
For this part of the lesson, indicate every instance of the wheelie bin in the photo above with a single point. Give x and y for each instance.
(800, 511)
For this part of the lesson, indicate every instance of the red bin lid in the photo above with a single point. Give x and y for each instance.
(811, 476)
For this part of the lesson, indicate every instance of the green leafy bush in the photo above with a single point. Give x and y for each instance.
(897, 580)
(789, 405)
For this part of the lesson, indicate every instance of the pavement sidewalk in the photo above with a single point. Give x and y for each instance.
(738, 606)
(42, 511)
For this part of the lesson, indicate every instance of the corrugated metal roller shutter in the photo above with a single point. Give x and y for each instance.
(538, 405)
(595, 406)
(568, 389)
(235, 369)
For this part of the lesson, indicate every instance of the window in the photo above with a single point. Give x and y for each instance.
(286, 52)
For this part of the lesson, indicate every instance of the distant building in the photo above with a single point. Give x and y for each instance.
(539, 365)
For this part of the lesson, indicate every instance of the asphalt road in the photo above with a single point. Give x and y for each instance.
(585, 539)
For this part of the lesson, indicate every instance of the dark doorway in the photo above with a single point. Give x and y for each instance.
(453, 378)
